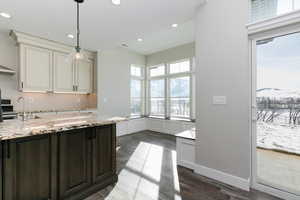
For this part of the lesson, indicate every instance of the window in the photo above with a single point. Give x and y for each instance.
(263, 9)
(180, 97)
(157, 71)
(137, 91)
(171, 91)
(180, 67)
(136, 71)
(136, 97)
(157, 97)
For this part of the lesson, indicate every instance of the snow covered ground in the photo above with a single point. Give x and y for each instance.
(276, 136)
(275, 93)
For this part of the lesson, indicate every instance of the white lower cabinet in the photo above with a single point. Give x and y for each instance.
(185, 149)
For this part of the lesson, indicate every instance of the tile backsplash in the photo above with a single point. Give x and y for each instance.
(36, 102)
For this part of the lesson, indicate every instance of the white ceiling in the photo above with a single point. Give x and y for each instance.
(104, 25)
(164, 39)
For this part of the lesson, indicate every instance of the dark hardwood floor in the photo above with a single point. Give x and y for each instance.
(147, 169)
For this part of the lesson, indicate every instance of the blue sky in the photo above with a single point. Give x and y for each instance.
(278, 63)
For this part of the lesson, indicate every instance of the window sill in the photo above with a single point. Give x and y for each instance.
(136, 117)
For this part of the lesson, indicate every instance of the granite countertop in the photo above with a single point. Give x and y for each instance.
(53, 123)
(189, 134)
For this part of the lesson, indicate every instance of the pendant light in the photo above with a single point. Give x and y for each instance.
(77, 54)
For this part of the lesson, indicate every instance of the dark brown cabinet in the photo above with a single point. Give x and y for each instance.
(29, 168)
(1, 163)
(104, 153)
(87, 161)
(74, 162)
(66, 166)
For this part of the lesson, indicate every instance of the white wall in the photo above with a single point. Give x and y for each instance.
(114, 80)
(223, 136)
(173, 54)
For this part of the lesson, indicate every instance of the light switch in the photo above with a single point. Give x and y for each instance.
(105, 100)
(219, 100)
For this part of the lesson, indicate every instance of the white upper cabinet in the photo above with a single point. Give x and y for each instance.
(64, 80)
(84, 72)
(36, 69)
(45, 66)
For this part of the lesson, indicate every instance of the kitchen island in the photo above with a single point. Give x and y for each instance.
(57, 157)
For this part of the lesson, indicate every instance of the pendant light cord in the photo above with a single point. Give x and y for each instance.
(78, 30)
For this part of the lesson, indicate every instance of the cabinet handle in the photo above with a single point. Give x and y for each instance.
(89, 136)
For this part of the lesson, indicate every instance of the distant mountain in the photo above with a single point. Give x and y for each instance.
(276, 93)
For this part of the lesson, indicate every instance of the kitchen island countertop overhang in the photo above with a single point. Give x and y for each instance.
(53, 123)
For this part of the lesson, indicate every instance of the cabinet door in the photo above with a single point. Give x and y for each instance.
(104, 153)
(63, 73)
(74, 162)
(1, 164)
(36, 69)
(29, 169)
(84, 70)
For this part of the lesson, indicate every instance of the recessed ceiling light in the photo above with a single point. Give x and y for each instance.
(70, 36)
(116, 2)
(5, 15)
(140, 40)
(174, 25)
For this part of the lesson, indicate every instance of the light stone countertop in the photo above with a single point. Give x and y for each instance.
(53, 123)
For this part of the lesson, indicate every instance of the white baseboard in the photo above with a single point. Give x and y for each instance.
(229, 179)
(187, 164)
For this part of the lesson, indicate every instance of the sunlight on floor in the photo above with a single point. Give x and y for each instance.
(143, 177)
(147, 159)
(175, 176)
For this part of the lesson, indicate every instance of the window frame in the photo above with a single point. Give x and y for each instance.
(275, 17)
(167, 78)
(141, 78)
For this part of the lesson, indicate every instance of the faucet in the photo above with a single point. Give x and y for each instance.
(23, 107)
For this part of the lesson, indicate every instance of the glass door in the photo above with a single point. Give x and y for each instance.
(276, 115)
